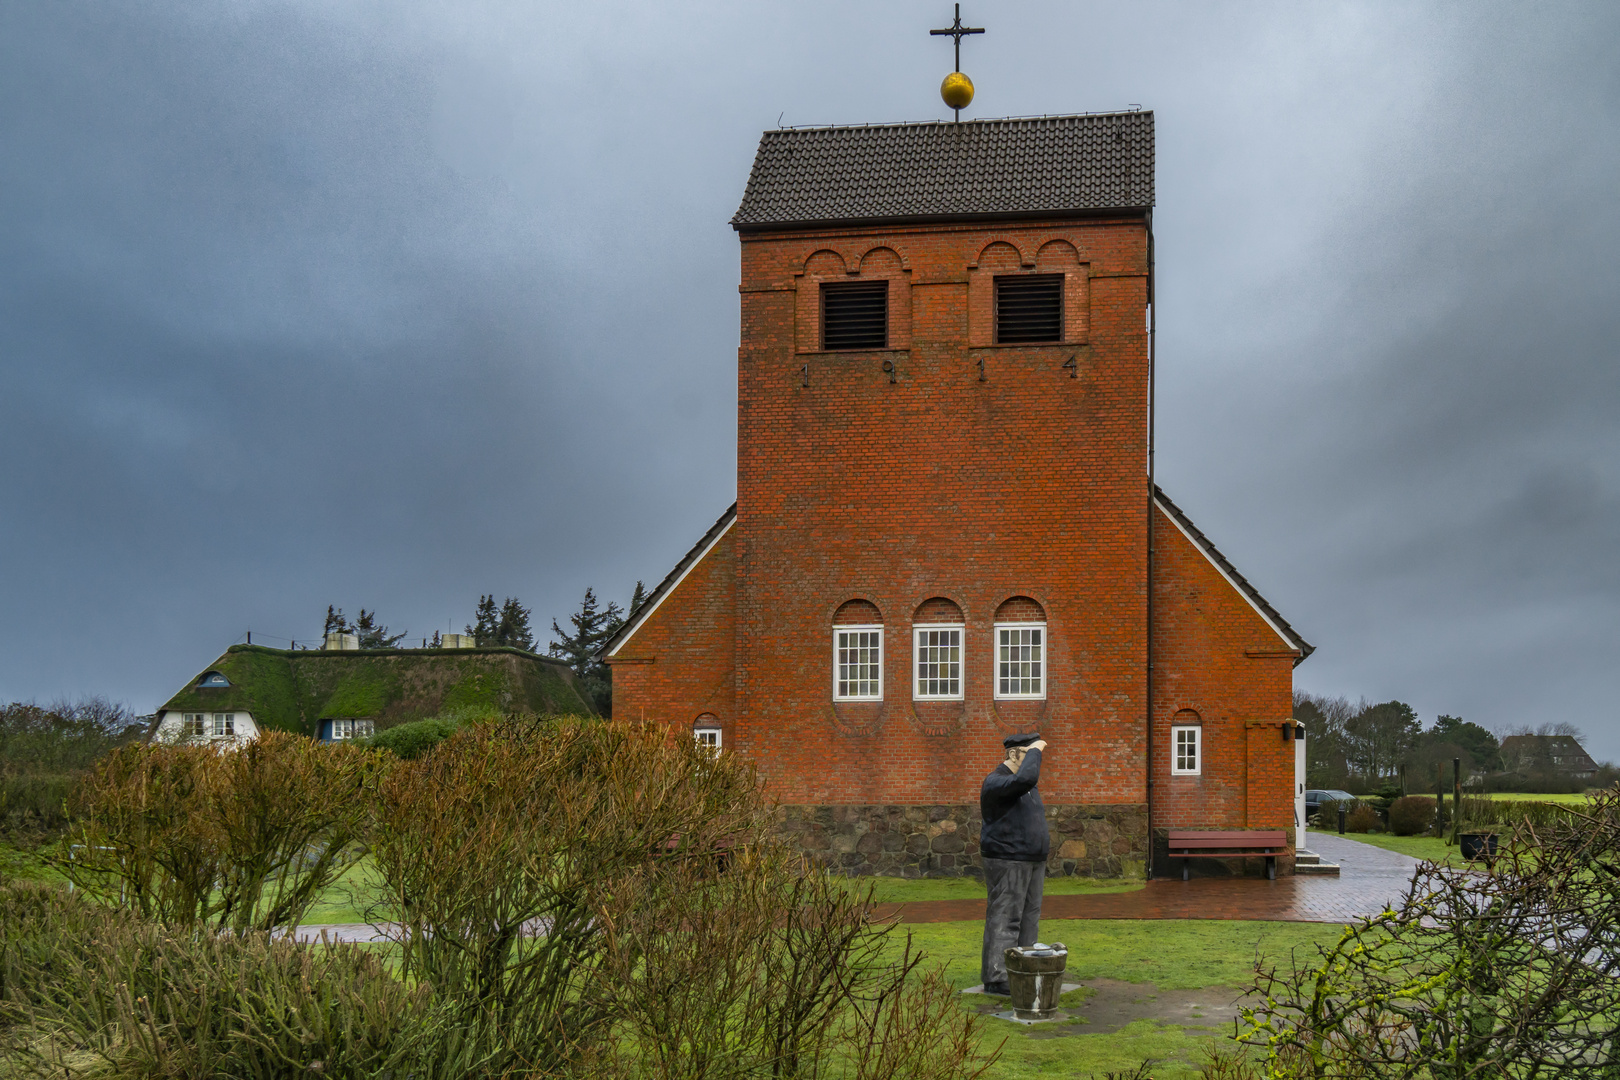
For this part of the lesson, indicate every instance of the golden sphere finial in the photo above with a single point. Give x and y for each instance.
(957, 90)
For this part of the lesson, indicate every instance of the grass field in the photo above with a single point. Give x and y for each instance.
(1506, 796)
(1158, 956)
(1419, 847)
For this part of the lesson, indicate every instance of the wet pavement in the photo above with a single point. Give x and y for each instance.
(1370, 880)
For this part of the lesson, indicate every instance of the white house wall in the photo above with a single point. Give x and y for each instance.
(170, 729)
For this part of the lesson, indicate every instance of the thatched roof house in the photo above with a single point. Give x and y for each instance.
(348, 693)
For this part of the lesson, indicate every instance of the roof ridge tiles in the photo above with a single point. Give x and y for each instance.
(1081, 162)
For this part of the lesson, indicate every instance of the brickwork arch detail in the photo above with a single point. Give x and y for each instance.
(1020, 609)
(857, 611)
(825, 261)
(1057, 255)
(883, 259)
(999, 255)
(938, 609)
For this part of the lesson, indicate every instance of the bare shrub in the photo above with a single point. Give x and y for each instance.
(1510, 972)
(242, 840)
(88, 991)
(1362, 819)
(600, 898)
(777, 970)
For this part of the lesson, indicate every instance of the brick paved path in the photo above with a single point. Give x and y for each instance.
(1370, 879)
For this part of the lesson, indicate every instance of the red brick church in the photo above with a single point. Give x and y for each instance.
(946, 528)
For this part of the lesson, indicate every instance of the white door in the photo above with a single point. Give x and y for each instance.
(1299, 786)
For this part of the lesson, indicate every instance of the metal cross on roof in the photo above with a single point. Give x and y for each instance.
(958, 31)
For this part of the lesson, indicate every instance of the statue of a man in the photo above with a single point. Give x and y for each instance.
(1013, 844)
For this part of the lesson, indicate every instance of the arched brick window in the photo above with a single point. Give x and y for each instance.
(707, 731)
(858, 652)
(1020, 649)
(937, 650)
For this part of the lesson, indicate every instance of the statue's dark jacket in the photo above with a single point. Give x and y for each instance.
(1014, 818)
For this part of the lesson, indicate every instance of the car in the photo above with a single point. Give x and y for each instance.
(1316, 797)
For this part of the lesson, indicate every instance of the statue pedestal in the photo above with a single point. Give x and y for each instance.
(1035, 979)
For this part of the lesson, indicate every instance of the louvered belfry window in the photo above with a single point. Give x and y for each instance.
(1029, 307)
(855, 315)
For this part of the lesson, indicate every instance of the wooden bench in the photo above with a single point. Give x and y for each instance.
(1188, 844)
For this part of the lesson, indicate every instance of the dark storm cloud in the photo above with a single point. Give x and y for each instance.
(392, 305)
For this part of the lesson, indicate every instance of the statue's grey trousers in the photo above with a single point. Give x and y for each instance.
(1012, 915)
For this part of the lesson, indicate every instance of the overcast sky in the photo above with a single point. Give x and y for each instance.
(393, 304)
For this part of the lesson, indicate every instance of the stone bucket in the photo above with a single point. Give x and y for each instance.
(1035, 979)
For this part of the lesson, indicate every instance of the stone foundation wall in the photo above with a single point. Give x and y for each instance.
(1107, 841)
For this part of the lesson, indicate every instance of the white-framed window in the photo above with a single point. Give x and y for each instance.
(709, 737)
(224, 725)
(353, 729)
(195, 725)
(937, 662)
(857, 663)
(1186, 751)
(1020, 660)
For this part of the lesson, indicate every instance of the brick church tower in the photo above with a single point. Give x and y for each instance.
(945, 528)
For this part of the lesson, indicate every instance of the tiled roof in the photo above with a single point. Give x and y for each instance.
(1054, 164)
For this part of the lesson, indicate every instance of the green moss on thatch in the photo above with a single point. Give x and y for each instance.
(358, 696)
(294, 691)
(261, 683)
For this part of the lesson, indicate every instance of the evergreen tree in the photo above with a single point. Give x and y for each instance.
(592, 625)
(336, 622)
(637, 598)
(1480, 744)
(513, 629)
(373, 634)
(1378, 736)
(488, 621)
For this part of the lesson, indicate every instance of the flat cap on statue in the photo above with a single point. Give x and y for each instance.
(1012, 741)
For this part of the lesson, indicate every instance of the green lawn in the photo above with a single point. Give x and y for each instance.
(1566, 800)
(1169, 954)
(347, 898)
(1419, 847)
(21, 863)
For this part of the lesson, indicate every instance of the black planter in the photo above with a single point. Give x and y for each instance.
(1477, 845)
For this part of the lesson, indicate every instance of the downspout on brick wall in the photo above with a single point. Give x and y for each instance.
(1153, 319)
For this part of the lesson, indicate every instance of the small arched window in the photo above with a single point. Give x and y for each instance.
(858, 652)
(1020, 631)
(213, 678)
(707, 731)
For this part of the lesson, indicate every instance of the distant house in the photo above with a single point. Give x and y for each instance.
(344, 693)
(1561, 754)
